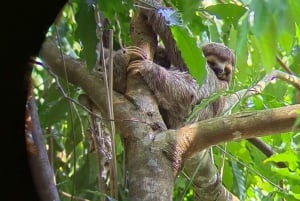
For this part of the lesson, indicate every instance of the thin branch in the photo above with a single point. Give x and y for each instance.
(64, 94)
(266, 149)
(259, 87)
(284, 66)
(113, 173)
(108, 83)
(72, 197)
(90, 83)
(251, 169)
(236, 97)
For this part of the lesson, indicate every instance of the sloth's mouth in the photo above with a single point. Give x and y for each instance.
(221, 74)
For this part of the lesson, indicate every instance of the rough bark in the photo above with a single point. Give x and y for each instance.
(150, 175)
(200, 135)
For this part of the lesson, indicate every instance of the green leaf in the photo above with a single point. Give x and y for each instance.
(86, 33)
(86, 174)
(118, 14)
(188, 8)
(55, 112)
(288, 157)
(267, 48)
(258, 10)
(293, 8)
(191, 53)
(286, 41)
(119, 145)
(296, 58)
(242, 33)
(239, 180)
(230, 13)
(214, 34)
(286, 173)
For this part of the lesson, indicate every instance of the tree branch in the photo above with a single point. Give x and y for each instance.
(266, 149)
(75, 72)
(198, 136)
(41, 170)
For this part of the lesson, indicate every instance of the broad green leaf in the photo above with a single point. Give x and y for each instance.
(119, 146)
(191, 53)
(294, 7)
(274, 93)
(73, 133)
(113, 7)
(265, 186)
(239, 180)
(285, 23)
(230, 13)
(190, 16)
(196, 25)
(286, 173)
(118, 14)
(239, 150)
(214, 34)
(188, 8)
(56, 112)
(232, 39)
(288, 157)
(286, 41)
(242, 33)
(242, 70)
(267, 48)
(86, 33)
(259, 17)
(295, 66)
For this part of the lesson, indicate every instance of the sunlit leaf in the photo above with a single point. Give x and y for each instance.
(294, 7)
(191, 53)
(287, 157)
(261, 17)
(230, 13)
(286, 173)
(189, 8)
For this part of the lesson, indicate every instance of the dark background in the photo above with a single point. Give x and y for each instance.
(23, 27)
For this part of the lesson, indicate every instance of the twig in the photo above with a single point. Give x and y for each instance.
(260, 86)
(73, 197)
(251, 169)
(284, 66)
(235, 98)
(47, 67)
(266, 149)
(108, 82)
(114, 178)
